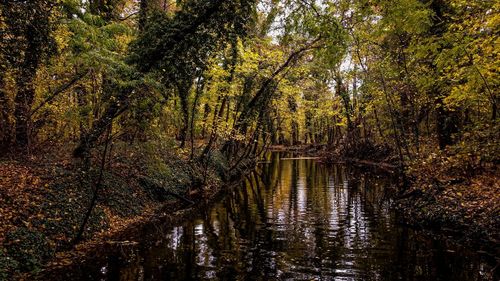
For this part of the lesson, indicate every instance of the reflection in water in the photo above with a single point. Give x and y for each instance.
(298, 220)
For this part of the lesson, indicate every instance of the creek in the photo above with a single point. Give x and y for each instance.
(293, 219)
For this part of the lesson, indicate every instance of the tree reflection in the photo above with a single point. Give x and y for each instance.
(301, 220)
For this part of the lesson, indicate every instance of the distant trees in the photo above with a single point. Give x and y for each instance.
(244, 74)
(425, 69)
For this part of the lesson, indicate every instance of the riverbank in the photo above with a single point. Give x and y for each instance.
(43, 201)
(455, 190)
(303, 149)
(444, 194)
(354, 235)
(124, 242)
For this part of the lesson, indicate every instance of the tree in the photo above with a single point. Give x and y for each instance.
(28, 33)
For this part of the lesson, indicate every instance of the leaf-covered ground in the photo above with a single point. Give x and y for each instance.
(43, 201)
(448, 192)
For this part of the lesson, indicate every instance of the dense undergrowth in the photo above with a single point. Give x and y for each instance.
(457, 188)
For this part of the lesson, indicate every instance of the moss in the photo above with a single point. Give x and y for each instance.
(218, 163)
(8, 265)
(121, 197)
(28, 248)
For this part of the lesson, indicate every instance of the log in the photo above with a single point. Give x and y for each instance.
(381, 165)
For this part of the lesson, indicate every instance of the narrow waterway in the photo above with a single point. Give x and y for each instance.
(294, 219)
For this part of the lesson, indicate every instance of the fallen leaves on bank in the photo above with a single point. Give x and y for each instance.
(447, 193)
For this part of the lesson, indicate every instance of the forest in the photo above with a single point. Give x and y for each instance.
(119, 113)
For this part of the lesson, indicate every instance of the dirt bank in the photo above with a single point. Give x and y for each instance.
(442, 196)
(43, 202)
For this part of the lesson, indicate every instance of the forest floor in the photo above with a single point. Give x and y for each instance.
(442, 196)
(43, 201)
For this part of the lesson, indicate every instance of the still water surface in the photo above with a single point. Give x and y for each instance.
(294, 219)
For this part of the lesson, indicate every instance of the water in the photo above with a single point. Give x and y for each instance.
(293, 220)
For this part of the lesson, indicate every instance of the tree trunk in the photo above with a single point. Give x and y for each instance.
(5, 124)
(206, 112)
(446, 124)
(143, 14)
(81, 97)
(26, 91)
(199, 90)
(113, 110)
(35, 26)
(184, 99)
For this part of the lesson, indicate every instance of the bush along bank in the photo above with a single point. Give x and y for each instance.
(454, 191)
(44, 200)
